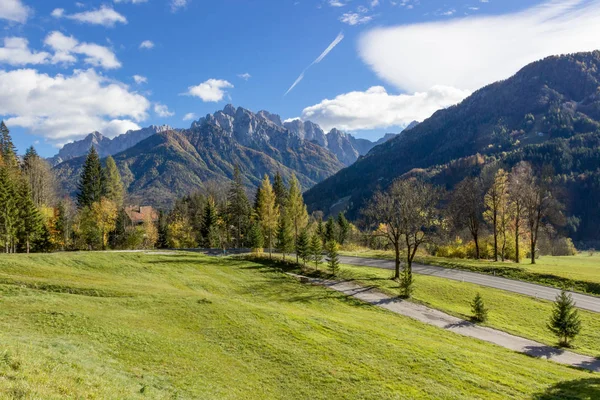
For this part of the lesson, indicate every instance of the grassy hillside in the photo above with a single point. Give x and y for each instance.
(131, 325)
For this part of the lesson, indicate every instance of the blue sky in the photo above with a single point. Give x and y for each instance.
(68, 67)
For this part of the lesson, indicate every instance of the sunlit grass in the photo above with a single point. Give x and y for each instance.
(134, 325)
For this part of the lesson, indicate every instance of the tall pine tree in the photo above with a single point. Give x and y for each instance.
(31, 223)
(209, 223)
(285, 237)
(9, 211)
(238, 207)
(91, 182)
(281, 192)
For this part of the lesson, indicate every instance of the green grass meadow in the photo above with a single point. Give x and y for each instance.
(183, 325)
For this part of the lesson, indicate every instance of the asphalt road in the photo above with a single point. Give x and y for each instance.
(584, 302)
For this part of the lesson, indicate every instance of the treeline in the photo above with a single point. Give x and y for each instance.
(27, 199)
(34, 218)
(276, 220)
(496, 215)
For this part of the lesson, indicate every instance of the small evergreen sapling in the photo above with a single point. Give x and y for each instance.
(302, 247)
(333, 258)
(480, 313)
(406, 283)
(316, 250)
(564, 322)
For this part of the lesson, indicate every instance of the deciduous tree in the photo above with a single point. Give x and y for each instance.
(268, 212)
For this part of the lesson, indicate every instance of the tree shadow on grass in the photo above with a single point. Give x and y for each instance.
(588, 388)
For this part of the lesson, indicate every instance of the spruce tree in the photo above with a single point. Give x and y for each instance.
(330, 230)
(343, 228)
(333, 257)
(30, 156)
(163, 230)
(9, 209)
(285, 236)
(281, 192)
(256, 237)
(113, 185)
(316, 250)
(91, 182)
(8, 151)
(209, 222)
(406, 283)
(320, 231)
(564, 322)
(238, 207)
(478, 308)
(31, 223)
(303, 247)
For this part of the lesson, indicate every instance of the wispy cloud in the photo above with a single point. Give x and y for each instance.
(139, 79)
(105, 16)
(352, 18)
(147, 44)
(324, 54)
(190, 117)
(178, 4)
(245, 76)
(162, 110)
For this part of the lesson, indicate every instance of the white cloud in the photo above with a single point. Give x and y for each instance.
(16, 52)
(14, 10)
(147, 44)
(58, 12)
(63, 108)
(162, 110)
(213, 90)
(139, 79)
(336, 3)
(177, 4)
(374, 3)
(376, 108)
(324, 54)
(105, 16)
(131, 1)
(65, 48)
(245, 76)
(190, 117)
(468, 53)
(352, 18)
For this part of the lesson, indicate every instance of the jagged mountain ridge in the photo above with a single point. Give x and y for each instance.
(547, 113)
(241, 126)
(104, 145)
(173, 163)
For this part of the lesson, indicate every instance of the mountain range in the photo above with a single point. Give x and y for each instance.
(548, 114)
(159, 164)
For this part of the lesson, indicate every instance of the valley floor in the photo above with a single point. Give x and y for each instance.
(135, 325)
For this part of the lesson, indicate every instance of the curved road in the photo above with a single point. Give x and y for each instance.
(441, 320)
(583, 301)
